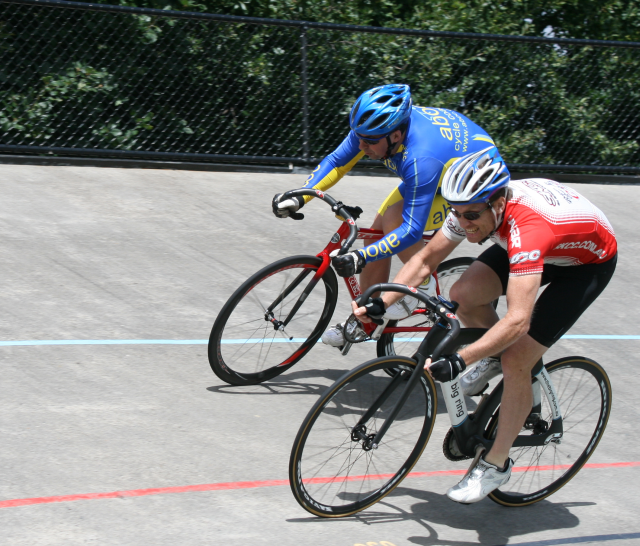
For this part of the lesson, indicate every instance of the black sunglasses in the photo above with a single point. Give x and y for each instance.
(471, 215)
(370, 141)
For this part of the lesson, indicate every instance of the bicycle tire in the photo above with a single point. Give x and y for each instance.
(352, 478)
(245, 348)
(406, 344)
(546, 469)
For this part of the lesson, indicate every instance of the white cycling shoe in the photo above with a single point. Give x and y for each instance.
(481, 479)
(475, 379)
(334, 336)
(407, 305)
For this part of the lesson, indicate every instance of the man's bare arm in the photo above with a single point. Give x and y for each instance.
(416, 270)
(422, 264)
(521, 297)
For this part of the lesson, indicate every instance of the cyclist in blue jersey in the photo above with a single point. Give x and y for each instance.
(418, 145)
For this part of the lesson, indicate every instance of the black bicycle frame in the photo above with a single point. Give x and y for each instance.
(449, 325)
(468, 428)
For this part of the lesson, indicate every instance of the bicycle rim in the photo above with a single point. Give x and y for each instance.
(406, 343)
(331, 474)
(584, 394)
(246, 347)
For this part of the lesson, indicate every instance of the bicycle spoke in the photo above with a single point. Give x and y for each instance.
(251, 342)
(349, 472)
(545, 468)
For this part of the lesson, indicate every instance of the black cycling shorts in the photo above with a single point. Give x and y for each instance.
(570, 290)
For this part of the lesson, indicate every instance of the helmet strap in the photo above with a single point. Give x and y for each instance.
(498, 223)
(390, 146)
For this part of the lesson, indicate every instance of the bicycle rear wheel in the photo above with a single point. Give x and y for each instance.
(406, 343)
(331, 472)
(584, 394)
(249, 343)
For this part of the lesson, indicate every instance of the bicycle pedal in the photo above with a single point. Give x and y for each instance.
(345, 348)
(353, 331)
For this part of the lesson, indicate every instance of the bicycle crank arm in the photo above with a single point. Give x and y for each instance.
(553, 434)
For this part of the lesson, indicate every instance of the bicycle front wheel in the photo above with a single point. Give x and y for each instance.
(250, 342)
(406, 343)
(332, 471)
(584, 395)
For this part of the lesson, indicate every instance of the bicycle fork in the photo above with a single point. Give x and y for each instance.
(281, 325)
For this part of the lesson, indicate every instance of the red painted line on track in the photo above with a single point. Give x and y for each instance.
(265, 483)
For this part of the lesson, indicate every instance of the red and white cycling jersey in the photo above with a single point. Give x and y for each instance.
(547, 223)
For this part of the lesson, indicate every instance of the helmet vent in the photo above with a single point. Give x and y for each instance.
(383, 99)
(380, 121)
(481, 181)
(484, 160)
(365, 117)
(356, 107)
(465, 180)
(503, 176)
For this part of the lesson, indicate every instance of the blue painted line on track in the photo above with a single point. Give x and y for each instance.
(36, 342)
(577, 540)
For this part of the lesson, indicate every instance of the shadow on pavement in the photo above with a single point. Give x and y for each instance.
(297, 382)
(494, 524)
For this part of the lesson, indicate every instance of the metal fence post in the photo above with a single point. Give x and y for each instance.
(305, 93)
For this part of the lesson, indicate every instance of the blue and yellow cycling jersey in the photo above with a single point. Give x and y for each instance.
(435, 138)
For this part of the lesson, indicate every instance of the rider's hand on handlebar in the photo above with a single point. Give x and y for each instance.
(348, 264)
(446, 368)
(287, 208)
(372, 312)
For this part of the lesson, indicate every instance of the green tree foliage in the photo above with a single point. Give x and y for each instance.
(76, 78)
(590, 19)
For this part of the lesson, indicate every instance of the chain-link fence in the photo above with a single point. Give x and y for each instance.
(112, 81)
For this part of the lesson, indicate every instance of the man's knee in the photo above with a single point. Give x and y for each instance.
(479, 285)
(456, 293)
(462, 292)
(519, 358)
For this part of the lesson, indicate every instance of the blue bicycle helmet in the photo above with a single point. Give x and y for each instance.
(474, 178)
(381, 110)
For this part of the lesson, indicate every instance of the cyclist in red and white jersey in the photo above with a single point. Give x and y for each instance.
(545, 234)
(547, 223)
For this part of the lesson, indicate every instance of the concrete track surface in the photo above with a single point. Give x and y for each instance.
(139, 443)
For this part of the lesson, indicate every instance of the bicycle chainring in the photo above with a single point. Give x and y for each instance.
(450, 448)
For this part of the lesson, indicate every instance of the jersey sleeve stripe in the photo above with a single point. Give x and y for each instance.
(333, 176)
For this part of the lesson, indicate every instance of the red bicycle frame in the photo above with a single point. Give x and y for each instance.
(352, 282)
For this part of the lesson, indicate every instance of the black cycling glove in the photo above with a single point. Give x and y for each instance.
(348, 264)
(447, 368)
(287, 208)
(375, 310)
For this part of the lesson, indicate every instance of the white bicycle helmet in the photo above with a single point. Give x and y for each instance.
(474, 178)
